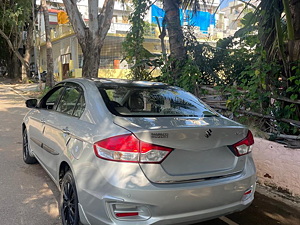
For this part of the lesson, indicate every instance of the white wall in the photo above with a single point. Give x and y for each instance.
(277, 165)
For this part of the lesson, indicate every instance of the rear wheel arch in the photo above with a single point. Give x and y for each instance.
(23, 127)
(27, 157)
(63, 169)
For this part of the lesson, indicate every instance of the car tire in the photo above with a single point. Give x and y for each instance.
(28, 159)
(69, 211)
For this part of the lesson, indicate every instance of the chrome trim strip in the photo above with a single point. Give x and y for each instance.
(198, 180)
(37, 142)
(50, 150)
(45, 147)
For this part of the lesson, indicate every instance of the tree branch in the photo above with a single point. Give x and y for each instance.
(104, 18)
(14, 50)
(290, 121)
(248, 4)
(285, 99)
(93, 17)
(289, 21)
(76, 20)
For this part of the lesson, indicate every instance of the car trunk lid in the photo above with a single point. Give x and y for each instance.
(201, 146)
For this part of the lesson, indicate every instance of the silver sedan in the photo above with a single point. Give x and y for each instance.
(135, 152)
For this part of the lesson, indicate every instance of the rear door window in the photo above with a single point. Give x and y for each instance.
(80, 106)
(50, 100)
(72, 101)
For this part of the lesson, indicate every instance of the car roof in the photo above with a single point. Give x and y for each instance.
(104, 82)
(114, 82)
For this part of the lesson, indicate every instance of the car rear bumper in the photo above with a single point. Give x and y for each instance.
(165, 203)
(198, 216)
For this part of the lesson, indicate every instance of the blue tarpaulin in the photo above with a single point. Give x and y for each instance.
(198, 19)
(157, 12)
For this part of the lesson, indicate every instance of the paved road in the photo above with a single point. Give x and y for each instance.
(29, 197)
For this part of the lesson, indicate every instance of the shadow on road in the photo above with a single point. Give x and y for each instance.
(267, 211)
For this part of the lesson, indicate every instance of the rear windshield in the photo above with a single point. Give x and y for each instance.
(153, 101)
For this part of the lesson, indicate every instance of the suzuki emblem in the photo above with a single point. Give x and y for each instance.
(208, 133)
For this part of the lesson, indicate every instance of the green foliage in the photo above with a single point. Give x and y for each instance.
(14, 19)
(290, 110)
(4, 53)
(253, 92)
(251, 69)
(294, 89)
(149, 28)
(212, 65)
(15, 14)
(134, 51)
(240, 68)
(190, 76)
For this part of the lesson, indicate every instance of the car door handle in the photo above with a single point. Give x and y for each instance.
(66, 131)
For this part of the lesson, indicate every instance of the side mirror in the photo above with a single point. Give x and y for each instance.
(31, 103)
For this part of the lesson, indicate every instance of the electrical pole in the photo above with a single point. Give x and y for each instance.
(36, 65)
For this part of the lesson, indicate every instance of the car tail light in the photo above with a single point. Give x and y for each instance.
(127, 148)
(244, 146)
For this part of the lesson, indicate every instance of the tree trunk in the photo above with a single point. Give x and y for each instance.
(294, 45)
(178, 54)
(295, 10)
(13, 47)
(91, 56)
(91, 38)
(49, 77)
(267, 34)
(25, 71)
(28, 46)
(177, 49)
(162, 35)
(13, 69)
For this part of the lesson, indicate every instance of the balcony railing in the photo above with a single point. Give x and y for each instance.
(123, 7)
(66, 29)
(121, 27)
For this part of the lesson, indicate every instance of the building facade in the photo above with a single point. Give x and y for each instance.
(67, 53)
(234, 13)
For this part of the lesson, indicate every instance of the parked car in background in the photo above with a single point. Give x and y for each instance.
(136, 152)
(3, 70)
(35, 76)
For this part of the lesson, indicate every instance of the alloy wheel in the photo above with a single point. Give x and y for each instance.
(28, 159)
(69, 201)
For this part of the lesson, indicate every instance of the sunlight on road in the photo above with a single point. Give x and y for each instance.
(51, 210)
(50, 206)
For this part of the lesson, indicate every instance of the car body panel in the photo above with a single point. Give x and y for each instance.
(56, 139)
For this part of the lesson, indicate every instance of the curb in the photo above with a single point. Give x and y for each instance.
(279, 196)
